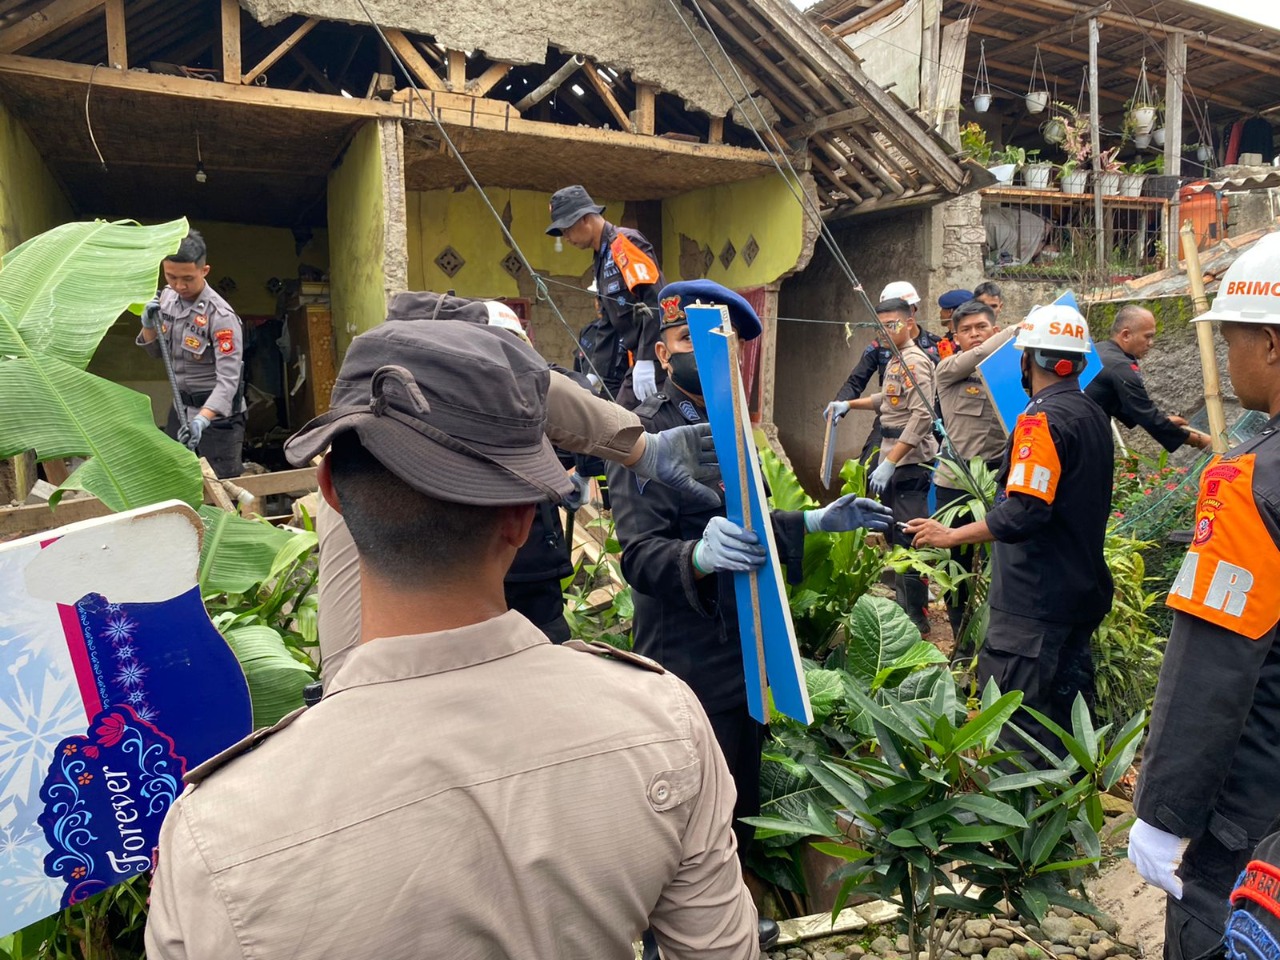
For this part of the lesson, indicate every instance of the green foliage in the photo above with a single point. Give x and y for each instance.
(1127, 646)
(974, 143)
(106, 927)
(59, 293)
(589, 617)
(942, 795)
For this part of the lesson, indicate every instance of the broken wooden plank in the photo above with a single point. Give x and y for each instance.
(230, 41)
(644, 117)
(274, 56)
(58, 14)
(413, 61)
(38, 517)
(302, 480)
(715, 133)
(606, 94)
(482, 84)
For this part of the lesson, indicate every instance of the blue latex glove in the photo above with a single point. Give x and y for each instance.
(644, 380)
(837, 409)
(878, 482)
(580, 493)
(725, 546)
(850, 512)
(1157, 855)
(683, 458)
(151, 314)
(191, 434)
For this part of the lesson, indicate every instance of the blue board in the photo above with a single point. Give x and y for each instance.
(1002, 374)
(782, 666)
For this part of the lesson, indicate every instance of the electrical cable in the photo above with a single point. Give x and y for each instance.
(88, 122)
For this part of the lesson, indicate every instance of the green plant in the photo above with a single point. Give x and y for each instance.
(1014, 155)
(974, 143)
(937, 799)
(1127, 649)
(59, 293)
(1155, 165)
(598, 603)
(1075, 135)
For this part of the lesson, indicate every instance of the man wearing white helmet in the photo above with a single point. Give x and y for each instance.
(1210, 783)
(1050, 587)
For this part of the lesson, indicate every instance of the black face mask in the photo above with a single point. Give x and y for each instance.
(684, 373)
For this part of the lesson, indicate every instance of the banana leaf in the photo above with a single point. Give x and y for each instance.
(59, 293)
(238, 554)
(275, 678)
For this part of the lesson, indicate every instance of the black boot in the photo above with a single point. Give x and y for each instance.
(769, 933)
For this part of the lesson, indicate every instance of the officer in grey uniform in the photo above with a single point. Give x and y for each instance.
(206, 350)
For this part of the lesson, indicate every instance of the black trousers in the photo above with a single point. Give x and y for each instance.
(908, 498)
(1193, 926)
(1049, 662)
(222, 443)
(959, 600)
(871, 445)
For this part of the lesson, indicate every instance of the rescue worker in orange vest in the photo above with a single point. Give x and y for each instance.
(1050, 587)
(1210, 783)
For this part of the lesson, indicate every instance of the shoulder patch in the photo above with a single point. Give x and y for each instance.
(690, 411)
(636, 266)
(1034, 467)
(604, 650)
(216, 762)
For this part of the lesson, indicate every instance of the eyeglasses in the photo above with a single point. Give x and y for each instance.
(893, 326)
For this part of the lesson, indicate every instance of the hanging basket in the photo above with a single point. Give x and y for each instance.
(1143, 120)
(1142, 141)
(1157, 136)
(1037, 100)
(981, 83)
(1054, 130)
(1037, 92)
(982, 102)
(1203, 153)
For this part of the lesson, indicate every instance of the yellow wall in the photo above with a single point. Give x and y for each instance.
(764, 208)
(252, 255)
(357, 248)
(30, 199)
(460, 219)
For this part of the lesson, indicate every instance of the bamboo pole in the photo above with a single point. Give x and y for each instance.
(1095, 134)
(1204, 338)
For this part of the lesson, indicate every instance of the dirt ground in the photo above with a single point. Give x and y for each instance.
(1135, 905)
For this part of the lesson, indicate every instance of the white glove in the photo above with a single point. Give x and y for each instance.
(644, 383)
(836, 409)
(878, 482)
(1157, 855)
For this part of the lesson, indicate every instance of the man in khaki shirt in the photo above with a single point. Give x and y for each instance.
(905, 408)
(971, 422)
(464, 789)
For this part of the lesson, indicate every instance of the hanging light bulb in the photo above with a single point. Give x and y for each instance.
(559, 245)
(201, 176)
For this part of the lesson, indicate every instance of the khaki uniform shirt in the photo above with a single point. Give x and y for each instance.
(967, 411)
(474, 793)
(906, 413)
(577, 421)
(206, 347)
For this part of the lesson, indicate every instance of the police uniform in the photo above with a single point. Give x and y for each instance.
(627, 283)
(975, 431)
(874, 360)
(1119, 390)
(690, 624)
(450, 797)
(905, 411)
(1050, 586)
(206, 349)
(1211, 766)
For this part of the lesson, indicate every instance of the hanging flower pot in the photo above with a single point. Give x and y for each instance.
(1203, 153)
(1037, 86)
(982, 102)
(981, 85)
(1037, 100)
(1143, 120)
(1054, 130)
(1157, 136)
(1142, 141)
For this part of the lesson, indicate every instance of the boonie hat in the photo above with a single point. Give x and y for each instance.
(900, 290)
(456, 410)
(568, 206)
(953, 298)
(675, 297)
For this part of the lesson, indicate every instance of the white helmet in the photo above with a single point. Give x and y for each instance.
(1250, 289)
(900, 290)
(1055, 327)
(500, 315)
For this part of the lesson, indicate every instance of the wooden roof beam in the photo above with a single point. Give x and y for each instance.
(284, 47)
(413, 61)
(831, 121)
(606, 94)
(771, 69)
(1057, 29)
(59, 14)
(867, 17)
(817, 86)
(481, 85)
(847, 166)
(231, 41)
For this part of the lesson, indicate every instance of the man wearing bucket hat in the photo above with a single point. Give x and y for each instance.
(1210, 782)
(1050, 586)
(627, 282)
(458, 760)
(678, 555)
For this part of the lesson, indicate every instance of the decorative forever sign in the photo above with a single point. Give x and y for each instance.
(113, 683)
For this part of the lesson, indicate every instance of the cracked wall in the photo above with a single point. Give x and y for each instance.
(646, 39)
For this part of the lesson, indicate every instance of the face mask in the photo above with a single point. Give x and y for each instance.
(684, 373)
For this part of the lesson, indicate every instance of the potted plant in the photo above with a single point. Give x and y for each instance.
(1037, 172)
(1007, 162)
(1074, 179)
(974, 143)
(1136, 173)
(1157, 136)
(1076, 145)
(1109, 176)
(1140, 117)
(1037, 97)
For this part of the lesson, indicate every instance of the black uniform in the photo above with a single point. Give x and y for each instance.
(1211, 766)
(875, 358)
(1118, 389)
(688, 625)
(620, 289)
(1050, 587)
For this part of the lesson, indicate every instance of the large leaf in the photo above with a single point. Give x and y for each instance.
(238, 554)
(61, 290)
(275, 678)
(49, 406)
(826, 692)
(880, 634)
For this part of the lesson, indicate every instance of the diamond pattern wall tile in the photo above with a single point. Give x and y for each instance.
(450, 262)
(511, 263)
(750, 251)
(727, 253)
(708, 258)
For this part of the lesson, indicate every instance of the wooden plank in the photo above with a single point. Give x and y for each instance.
(302, 480)
(213, 489)
(1175, 72)
(867, 17)
(1095, 138)
(117, 45)
(1058, 30)
(645, 115)
(769, 352)
(481, 85)
(606, 94)
(930, 54)
(274, 56)
(803, 99)
(38, 517)
(955, 38)
(832, 121)
(412, 59)
(231, 41)
(43, 22)
(315, 73)
(715, 133)
(818, 87)
(457, 71)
